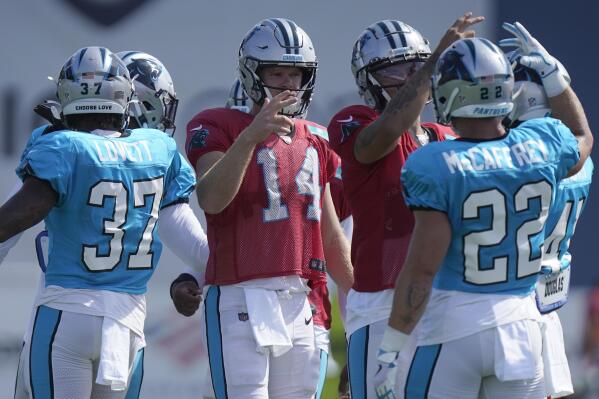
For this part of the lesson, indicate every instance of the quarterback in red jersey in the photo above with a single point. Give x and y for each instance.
(271, 223)
(374, 142)
(341, 205)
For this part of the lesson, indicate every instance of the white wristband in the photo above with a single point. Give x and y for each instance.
(393, 340)
(556, 82)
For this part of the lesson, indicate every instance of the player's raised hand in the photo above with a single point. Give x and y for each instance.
(187, 297)
(268, 120)
(533, 55)
(459, 30)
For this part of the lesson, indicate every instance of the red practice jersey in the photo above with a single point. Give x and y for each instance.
(341, 205)
(272, 226)
(383, 223)
(320, 303)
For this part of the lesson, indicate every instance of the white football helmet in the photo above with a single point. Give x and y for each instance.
(238, 98)
(277, 42)
(94, 81)
(530, 99)
(472, 79)
(382, 44)
(156, 105)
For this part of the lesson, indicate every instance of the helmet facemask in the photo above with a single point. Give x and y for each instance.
(277, 42)
(303, 93)
(156, 103)
(395, 73)
(386, 45)
(165, 104)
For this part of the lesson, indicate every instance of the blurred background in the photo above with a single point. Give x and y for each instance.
(198, 42)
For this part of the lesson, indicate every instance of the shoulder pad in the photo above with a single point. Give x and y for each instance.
(317, 130)
(53, 128)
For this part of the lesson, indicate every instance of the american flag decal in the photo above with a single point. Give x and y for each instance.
(119, 94)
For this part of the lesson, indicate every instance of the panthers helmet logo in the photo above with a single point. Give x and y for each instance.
(451, 67)
(146, 72)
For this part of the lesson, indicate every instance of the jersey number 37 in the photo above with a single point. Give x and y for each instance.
(142, 190)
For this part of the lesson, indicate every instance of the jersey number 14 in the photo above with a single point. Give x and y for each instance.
(306, 181)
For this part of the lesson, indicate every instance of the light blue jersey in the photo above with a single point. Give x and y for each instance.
(570, 199)
(496, 194)
(102, 229)
(554, 282)
(35, 134)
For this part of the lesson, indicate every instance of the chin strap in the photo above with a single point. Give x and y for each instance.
(49, 110)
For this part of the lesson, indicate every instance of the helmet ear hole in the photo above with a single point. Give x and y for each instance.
(148, 106)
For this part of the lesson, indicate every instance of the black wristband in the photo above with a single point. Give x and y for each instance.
(182, 277)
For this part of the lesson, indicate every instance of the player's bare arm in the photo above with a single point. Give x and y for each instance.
(428, 246)
(430, 240)
(220, 174)
(7, 245)
(26, 208)
(567, 108)
(380, 137)
(335, 245)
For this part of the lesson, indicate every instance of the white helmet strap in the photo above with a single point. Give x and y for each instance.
(450, 101)
(375, 82)
(267, 92)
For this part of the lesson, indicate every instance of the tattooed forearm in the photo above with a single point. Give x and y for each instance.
(417, 296)
(380, 137)
(417, 86)
(365, 138)
(414, 302)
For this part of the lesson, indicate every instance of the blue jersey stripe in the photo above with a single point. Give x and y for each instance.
(357, 355)
(215, 343)
(137, 376)
(421, 371)
(324, 362)
(40, 356)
